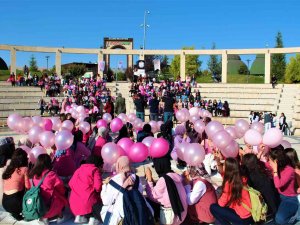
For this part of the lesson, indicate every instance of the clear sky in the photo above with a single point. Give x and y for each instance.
(173, 24)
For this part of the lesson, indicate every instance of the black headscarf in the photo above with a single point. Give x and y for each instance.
(162, 167)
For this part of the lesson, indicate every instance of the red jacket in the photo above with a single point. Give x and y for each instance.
(236, 206)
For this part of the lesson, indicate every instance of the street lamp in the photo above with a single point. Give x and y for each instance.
(47, 58)
(145, 26)
(248, 61)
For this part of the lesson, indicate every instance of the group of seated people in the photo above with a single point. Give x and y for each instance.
(98, 192)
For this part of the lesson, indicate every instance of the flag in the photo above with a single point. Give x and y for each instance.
(120, 65)
(101, 65)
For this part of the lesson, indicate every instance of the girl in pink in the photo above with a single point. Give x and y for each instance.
(78, 150)
(85, 187)
(168, 192)
(52, 188)
(15, 179)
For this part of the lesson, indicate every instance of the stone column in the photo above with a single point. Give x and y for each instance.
(267, 68)
(224, 67)
(182, 66)
(130, 61)
(58, 62)
(100, 58)
(142, 57)
(13, 59)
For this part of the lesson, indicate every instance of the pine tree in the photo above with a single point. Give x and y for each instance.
(278, 65)
(33, 64)
(214, 63)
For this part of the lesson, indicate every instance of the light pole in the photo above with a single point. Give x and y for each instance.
(145, 26)
(47, 58)
(248, 72)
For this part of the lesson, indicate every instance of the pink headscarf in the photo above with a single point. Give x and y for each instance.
(122, 165)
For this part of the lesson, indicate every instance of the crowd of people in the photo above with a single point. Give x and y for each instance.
(96, 192)
(270, 120)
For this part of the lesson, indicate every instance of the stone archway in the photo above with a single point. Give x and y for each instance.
(118, 43)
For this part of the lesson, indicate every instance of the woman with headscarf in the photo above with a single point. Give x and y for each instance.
(200, 196)
(168, 191)
(100, 141)
(112, 199)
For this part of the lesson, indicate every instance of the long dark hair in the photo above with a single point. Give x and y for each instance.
(282, 159)
(6, 152)
(19, 159)
(292, 155)
(251, 164)
(43, 162)
(233, 177)
(78, 137)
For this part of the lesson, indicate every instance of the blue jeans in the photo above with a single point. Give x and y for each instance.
(154, 116)
(140, 115)
(227, 216)
(168, 116)
(287, 209)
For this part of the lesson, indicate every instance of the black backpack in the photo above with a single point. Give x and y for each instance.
(136, 211)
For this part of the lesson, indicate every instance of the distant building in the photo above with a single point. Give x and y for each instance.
(3, 65)
(234, 64)
(258, 66)
(90, 67)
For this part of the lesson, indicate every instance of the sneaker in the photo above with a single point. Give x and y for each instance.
(80, 219)
(93, 221)
(43, 221)
(62, 219)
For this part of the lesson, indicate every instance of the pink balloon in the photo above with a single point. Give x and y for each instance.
(47, 139)
(125, 143)
(194, 111)
(206, 113)
(121, 151)
(11, 120)
(138, 152)
(86, 111)
(148, 141)
(37, 120)
(123, 117)
(67, 124)
(194, 154)
(212, 128)
(159, 123)
(231, 131)
(48, 124)
(286, 144)
(231, 150)
(84, 127)
(241, 126)
(64, 139)
(182, 115)
(68, 108)
(221, 139)
(193, 119)
(153, 125)
(56, 123)
(138, 124)
(34, 134)
(272, 137)
(27, 124)
(199, 126)
(19, 125)
(174, 155)
(101, 123)
(107, 117)
(159, 148)
(131, 117)
(116, 125)
(36, 151)
(110, 153)
(200, 114)
(180, 149)
(81, 109)
(74, 114)
(258, 127)
(253, 137)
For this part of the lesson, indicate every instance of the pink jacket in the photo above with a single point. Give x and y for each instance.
(85, 187)
(65, 165)
(159, 193)
(53, 193)
(81, 153)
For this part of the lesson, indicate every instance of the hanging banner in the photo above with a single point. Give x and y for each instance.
(101, 66)
(156, 63)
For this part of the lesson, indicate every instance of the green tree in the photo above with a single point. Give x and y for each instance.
(214, 63)
(192, 64)
(278, 60)
(129, 73)
(164, 64)
(33, 64)
(292, 73)
(76, 70)
(243, 69)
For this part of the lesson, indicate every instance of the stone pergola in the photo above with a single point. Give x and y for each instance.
(182, 53)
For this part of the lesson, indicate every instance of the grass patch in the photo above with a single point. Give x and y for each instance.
(204, 79)
(4, 75)
(242, 79)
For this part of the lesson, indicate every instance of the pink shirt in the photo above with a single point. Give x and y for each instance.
(18, 180)
(286, 183)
